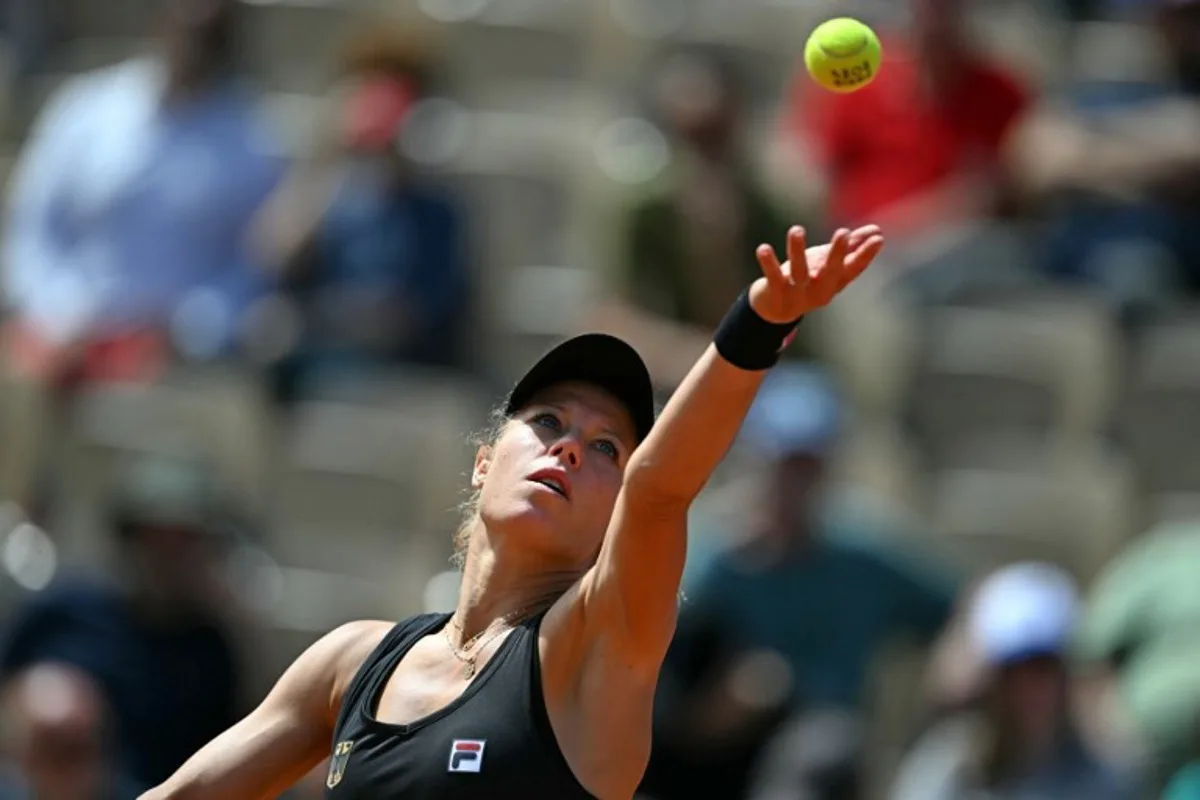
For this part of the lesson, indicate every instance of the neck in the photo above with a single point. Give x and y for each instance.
(500, 585)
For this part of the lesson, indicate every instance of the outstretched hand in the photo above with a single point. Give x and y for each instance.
(811, 276)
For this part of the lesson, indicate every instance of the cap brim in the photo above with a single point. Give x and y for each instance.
(598, 359)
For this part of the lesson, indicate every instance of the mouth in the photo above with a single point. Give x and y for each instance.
(554, 483)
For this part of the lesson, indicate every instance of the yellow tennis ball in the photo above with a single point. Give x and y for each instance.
(843, 55)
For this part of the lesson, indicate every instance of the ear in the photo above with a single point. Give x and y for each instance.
(483, 462)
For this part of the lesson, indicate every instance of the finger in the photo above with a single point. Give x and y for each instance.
(860, 235)
(839, 246)
(858, 261)
(866, 231)
(797, 252)
(768, 262)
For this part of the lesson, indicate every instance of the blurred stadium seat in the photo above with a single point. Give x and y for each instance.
(22, 430)
(877, 457)
(110, 422)
(988, 374)
(369, 482)
(1159, 417)
(283, 36)
(1072, 508)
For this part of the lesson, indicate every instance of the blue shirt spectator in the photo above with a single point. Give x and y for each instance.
(129, 203)
(827, 610)
(374, 256)
(402, 244)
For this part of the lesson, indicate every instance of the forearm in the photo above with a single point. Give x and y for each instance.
(286, 227)
(695, 430)
(248, 762)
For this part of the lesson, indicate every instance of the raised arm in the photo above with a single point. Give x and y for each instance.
(631, 595)
(287, 735)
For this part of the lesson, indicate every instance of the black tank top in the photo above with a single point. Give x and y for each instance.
(492, 743)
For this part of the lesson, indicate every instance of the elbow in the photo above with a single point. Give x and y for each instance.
(656, 491)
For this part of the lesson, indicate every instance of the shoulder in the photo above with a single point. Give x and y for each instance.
(1185, 783)
(88, 100)
(69, 595)
(322, 674)
(346, 648)
(74, 98)
(136, 78)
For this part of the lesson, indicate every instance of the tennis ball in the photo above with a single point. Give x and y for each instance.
(843, 55)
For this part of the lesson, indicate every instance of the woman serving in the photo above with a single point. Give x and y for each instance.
(541, 682)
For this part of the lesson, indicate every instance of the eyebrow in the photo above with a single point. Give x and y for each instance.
(604, 429)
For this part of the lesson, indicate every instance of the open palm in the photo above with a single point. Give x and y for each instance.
(785, 293)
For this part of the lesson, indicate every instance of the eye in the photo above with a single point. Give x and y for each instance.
(546, 420)
(608, 448)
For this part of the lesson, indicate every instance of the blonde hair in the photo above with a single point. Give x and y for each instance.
(497, 421)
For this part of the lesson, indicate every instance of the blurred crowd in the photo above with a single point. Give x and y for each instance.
(266, 265)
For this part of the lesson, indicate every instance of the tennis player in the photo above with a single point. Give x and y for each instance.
(540, 684)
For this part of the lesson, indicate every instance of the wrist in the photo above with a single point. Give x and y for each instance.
(748, 341)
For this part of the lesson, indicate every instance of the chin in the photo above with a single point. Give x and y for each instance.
(528, 518)
(541, 528)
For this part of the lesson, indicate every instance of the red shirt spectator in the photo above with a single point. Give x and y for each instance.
(897, 139)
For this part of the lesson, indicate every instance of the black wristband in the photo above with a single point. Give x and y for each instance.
(748, 341)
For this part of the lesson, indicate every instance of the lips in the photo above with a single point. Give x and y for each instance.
(554, 479)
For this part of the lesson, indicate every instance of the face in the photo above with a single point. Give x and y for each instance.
(1032, 697)
(697, 103)
(199, 34)
(179, 565)
(552, 477)
(1180, 28)
(60, 749)
(789, 490)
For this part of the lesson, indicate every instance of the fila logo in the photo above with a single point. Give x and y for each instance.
(466, 755)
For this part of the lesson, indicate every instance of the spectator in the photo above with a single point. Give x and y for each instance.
(153, 642)
(1021, 743)
(25, 29)
(1139, 643)
(131, 206)
(1185, 785)
(815, 756)
(690, 237)
(57, 739)
(786, 623)
(921, 146)
(1118, 164)
(374, 252)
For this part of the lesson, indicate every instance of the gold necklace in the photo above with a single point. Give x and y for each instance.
(496, 630)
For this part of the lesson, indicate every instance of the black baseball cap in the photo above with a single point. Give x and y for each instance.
(601, 360)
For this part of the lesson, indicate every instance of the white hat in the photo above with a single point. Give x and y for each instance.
(797, 412)
(1023, 610)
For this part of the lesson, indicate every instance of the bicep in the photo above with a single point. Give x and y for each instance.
(287, 735)
(633, 590)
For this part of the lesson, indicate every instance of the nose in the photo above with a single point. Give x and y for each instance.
(568, 450)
